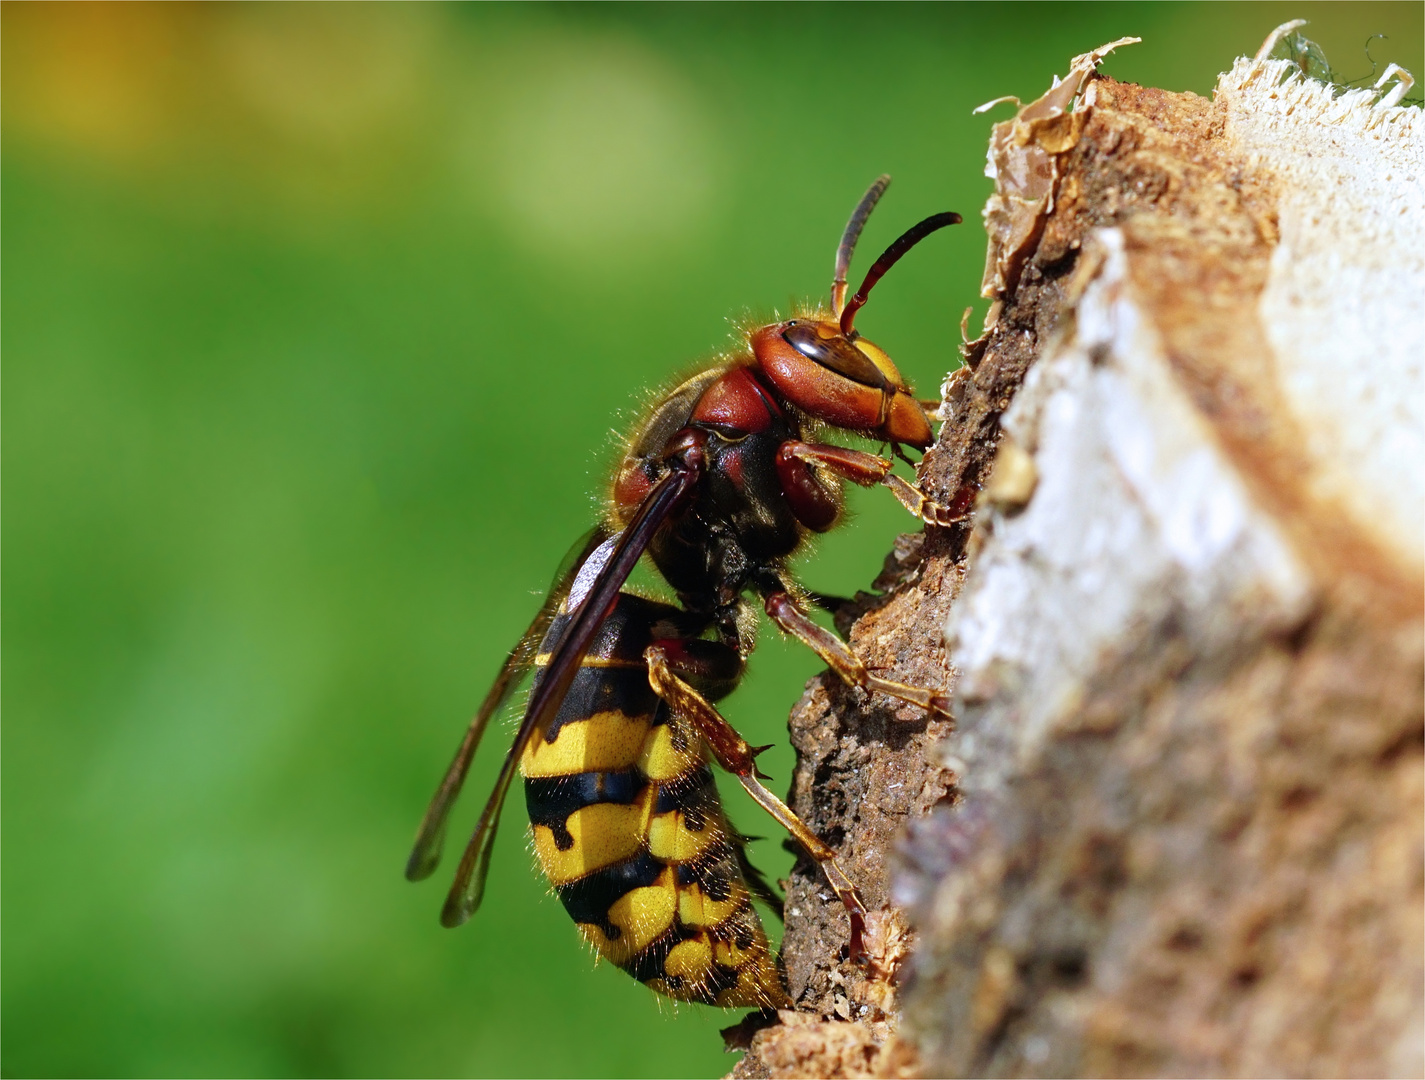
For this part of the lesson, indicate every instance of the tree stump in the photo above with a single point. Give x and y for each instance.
(1177, 825)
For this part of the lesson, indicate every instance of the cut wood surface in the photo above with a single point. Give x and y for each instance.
(1176, 827)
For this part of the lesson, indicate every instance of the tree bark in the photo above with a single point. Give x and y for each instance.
(1176, 827)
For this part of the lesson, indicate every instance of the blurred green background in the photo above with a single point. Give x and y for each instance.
(316, 321)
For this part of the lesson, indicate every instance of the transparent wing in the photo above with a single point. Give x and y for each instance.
(430, 837)
(597, 597)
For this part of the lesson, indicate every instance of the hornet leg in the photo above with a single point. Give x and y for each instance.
(737, 757)
(785, 612)
(869, 470)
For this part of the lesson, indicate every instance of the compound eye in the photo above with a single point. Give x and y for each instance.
(827, 346)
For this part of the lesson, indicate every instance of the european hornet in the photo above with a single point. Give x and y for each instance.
(719, 486)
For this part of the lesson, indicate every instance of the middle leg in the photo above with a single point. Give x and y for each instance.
(788, 614)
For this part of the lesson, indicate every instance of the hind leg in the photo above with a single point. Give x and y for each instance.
(734, 754)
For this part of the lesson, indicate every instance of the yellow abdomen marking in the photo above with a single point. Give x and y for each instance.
(696, 908)
(670, 839)
(660, 760)
(543, 659)
(729, 955)
(604, 834)
(605, 742)
(643, 915)
(758, 986)
(689, 959)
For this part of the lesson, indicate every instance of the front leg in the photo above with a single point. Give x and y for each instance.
(869, 470)
(787, 614)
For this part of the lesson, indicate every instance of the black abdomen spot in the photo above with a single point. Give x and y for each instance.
(603, 690)
(695, 791)
(715, 873)
(648, 964)
(551, 799)
(588, 900)
(696, 802)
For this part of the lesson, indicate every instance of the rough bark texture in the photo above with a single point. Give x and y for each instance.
(1178, 827)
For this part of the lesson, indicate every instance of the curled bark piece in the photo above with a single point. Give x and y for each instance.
(1023, 161)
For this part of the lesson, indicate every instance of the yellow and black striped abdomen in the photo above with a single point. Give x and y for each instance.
(629, 829)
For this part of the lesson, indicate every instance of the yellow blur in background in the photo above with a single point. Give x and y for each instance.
(316, 322)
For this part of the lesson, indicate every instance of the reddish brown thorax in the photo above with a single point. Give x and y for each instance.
(737, 402)
(632, 484)
(843, 381)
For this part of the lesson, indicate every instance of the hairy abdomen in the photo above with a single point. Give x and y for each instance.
(629, 830)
